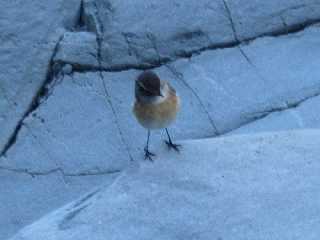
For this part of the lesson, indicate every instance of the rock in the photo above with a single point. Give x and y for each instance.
(142, 34)
(304, 115)
(66, 92)
(79, 137)
(78, 49)
(29, 33)
(240, 187)
(85, 127)
(256, 18)
(25, 198)
(238, 85)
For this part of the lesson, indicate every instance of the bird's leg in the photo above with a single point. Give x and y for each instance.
(170, 144)
(147, 154)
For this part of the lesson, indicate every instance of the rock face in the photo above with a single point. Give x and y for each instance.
(241, 187)
(67, 77)
(144, 34)
(29, 33)
(299, 116)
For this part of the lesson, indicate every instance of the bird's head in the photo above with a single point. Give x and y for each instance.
(148, 84)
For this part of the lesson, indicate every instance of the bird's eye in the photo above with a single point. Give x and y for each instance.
(141, 86)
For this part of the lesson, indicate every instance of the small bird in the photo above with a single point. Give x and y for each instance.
(156, 106)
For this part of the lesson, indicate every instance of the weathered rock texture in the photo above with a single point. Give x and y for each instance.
(67, 75)
(242, 187)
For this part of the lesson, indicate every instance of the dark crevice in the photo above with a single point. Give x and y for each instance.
(256, 116)
(119, 68)
(33, 173)
(286, 30)
(80, 24)
(92, 22)
(160, 61)
(13, 138)
(52, 77)
(54, 69)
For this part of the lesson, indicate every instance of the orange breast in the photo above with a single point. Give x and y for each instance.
(156, 116)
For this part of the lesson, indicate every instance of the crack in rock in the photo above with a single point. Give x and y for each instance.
(255, 68)
(162, 60)
(58, 170)
(229, 16)
(239, 43)
(109, 101)
(80, 24)
(92, 23)
(99, 38)
(180, 76)
(40, 96)
(256, 116)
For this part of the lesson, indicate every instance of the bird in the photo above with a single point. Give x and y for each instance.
(156, 106)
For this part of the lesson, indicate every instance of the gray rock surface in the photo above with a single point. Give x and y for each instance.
(67, 70)
(216, 88)
(26, 197)
(30, 31)
(242, 187)
(78, 48)
(143, 34)
(238, 85)
(301, 116)
(256, 18)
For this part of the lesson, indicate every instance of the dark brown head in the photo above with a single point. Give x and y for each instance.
(148, 85)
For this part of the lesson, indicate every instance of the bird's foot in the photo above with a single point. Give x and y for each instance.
(148, 155)
(173, 145)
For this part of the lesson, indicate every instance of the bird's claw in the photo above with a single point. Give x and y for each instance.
(148, 155)
(173, 145)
